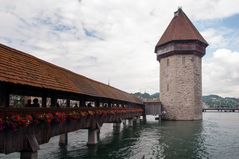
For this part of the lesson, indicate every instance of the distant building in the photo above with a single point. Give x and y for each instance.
(179, 52)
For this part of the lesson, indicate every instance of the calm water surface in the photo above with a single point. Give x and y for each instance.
(217, 136)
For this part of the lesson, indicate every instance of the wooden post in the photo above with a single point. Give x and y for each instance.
(98, 135)
(92, 136)
(144, 118)
(130, 122)
(97, 103)
(144, 114)
(63, 141)
(109, 104)
(116, 128)
(4, 97)
(43, 101)
(53, 102)
(82, 103)
(137, 119)
(68, 102)
(31, 153)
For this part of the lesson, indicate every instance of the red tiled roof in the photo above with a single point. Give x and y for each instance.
(20, 68)
(180, 28)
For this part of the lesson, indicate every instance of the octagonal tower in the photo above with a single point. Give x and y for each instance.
(179, 52)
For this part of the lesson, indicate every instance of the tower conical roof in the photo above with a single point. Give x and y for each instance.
(180, 28)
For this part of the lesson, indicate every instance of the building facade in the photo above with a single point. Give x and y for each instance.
(179, 52)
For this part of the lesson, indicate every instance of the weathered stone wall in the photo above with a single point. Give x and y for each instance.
(180, 87)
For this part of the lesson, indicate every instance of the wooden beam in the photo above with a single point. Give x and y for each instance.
(44, 101)
(53, 102)
(68, 102)
(4, 97)
(97, 103)
(63, 140)
(33, 144)
(82, 102)
(109, 104)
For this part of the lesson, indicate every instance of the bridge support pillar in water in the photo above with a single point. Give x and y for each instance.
(137, 119)
(130, 122)
(144, 118)
(98, 135)
(63, 140)
(31, 151)
(28, 155)
(124, 122)
(116, 127)
(93, 136)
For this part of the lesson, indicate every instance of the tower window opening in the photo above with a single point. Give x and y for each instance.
(183, 60)
(167, 62)
(192, 59)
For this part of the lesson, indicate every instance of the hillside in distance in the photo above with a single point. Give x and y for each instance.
(217, 101)
(146, 96)
(211, 101)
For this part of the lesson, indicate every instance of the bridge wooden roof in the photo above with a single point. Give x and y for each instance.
(151, 101)
(20, 68)
(180, 28)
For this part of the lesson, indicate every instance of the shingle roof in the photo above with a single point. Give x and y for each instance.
(180, 28)
(20, 68)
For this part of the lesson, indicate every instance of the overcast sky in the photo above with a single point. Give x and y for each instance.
(113, 40)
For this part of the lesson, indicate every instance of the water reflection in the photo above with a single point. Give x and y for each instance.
(168, 139)
(116, 146)
(181, 139)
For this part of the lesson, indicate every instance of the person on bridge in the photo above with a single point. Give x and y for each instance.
(29, 103)
(89, 105)
(35, 103)
(76, 105)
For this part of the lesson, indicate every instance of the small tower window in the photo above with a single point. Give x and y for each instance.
(167, 62)
(167, 87)
(183, 60)
(192, 59)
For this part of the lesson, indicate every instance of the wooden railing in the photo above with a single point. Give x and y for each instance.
(17, 125)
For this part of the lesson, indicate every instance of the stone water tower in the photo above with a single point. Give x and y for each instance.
(179, 52)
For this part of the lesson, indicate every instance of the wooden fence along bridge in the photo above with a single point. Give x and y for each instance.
(24, 129)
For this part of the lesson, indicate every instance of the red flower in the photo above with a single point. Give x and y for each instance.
(16, 118)
(23, 122)
(83, 114)
(60, 116)
(29, 118)
(91, 113)
(49, 117)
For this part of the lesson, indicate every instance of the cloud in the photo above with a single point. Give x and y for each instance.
(211, 9)
(110, 40)
(220, 73)
(216, 37)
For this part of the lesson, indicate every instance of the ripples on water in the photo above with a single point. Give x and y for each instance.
(214, 137)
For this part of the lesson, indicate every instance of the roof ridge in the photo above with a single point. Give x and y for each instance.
(180, 28)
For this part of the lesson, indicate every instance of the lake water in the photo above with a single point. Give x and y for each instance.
(216, 136)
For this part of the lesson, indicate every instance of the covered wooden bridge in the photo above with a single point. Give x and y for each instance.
(153, 107)
(66, 102)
